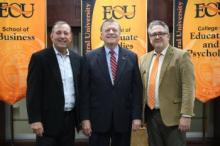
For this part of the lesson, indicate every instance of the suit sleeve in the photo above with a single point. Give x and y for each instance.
(137, 92)
(188, 85)
(84, 91)
(34, 89)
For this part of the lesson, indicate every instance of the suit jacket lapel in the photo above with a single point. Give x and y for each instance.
(122, 59)
(53, 64)
(74, 65)
(166, 61)
(103, 66)
(146, 65)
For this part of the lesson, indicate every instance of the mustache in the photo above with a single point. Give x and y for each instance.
(158, 40)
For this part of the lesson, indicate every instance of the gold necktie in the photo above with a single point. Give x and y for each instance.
(152, 83)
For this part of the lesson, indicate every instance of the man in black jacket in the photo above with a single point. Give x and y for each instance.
(53, 90)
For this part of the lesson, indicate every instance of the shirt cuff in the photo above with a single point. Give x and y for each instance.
(186, 116)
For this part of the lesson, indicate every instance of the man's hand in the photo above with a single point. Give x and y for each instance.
(37, 128)
(184, 124)
(136, 124)
(86, 126)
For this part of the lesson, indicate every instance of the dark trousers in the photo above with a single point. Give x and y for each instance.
(160, 134)
(110, 139)
(64, 138)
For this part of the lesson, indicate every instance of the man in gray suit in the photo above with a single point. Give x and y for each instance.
(169, 89)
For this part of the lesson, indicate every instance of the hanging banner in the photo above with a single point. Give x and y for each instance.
(22, 32)
(131, 15)
(197, 29)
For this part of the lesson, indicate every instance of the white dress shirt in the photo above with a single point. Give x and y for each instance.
(67, 79)
(162, 55)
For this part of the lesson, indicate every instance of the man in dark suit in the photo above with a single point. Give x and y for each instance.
(112, 91)
(53, 90)
(169, 89)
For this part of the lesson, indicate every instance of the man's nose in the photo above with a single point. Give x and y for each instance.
(111, 31)
(62, 35)
(157, 36)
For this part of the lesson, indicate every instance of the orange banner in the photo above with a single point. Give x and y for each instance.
(22, 32)
(198, 31)
(131, 15)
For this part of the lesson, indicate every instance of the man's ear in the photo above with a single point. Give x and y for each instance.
(101, 37)
(51, 36)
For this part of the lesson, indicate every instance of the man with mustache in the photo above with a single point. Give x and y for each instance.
(111, 100)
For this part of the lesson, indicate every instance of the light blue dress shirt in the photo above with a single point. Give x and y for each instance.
(108, 56)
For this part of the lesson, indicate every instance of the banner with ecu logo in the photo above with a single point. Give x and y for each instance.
(131, 15)
(197, 29)
(22, 32)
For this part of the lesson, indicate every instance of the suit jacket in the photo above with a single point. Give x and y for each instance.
(176, 84)
(45, 95)
(107, 105)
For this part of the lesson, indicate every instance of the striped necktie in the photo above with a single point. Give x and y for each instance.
(113, 64)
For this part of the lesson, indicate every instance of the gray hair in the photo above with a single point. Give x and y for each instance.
(157, 22)
(109, 21)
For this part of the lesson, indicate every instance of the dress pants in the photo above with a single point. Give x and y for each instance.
(110, 139)
(64, 138)
(160, 134)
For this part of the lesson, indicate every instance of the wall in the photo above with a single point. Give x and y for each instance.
(67, 10)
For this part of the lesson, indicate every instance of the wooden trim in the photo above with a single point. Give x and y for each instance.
(2, 123)
(32, 143)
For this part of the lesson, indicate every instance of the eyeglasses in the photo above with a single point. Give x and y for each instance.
(159, 34)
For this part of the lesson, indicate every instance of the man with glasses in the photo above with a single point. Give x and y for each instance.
(169, 89)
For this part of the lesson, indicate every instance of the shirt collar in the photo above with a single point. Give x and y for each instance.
(116, 50)
(58, 53)
(163, 53)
